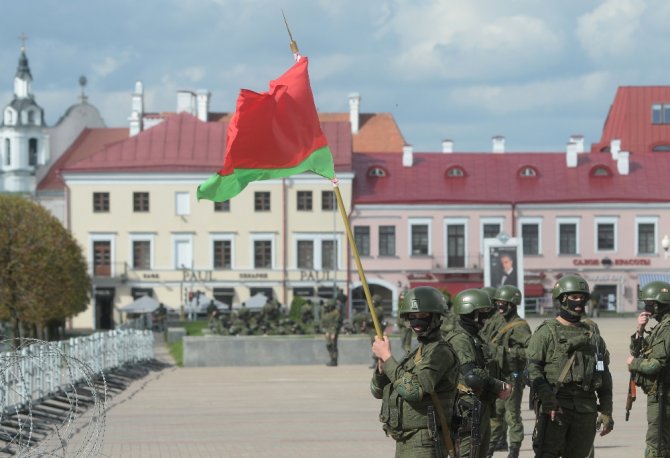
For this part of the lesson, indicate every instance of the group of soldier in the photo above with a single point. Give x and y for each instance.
(460, 389)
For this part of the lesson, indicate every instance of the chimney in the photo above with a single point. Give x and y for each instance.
(186, 102)
(498, 144)
(622, 162)
(578, 139)
(203, 104)
(447, 146)
(571, 154)
(354, 111)
(137, 103)
(407, 156)
(615, 148)
(135, 122)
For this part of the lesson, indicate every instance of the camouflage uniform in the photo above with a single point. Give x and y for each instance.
(508, 344)
(568, 369)
(331, 321)
(423, 381)
(649, 365)
(475, 385)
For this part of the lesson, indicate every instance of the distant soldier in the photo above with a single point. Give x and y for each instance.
(650, 365)
(418, 391)
(568, 368)
(307, 313)
(331, 321)
(477, 389)
(509, 344)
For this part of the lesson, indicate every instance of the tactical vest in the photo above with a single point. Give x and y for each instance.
(399, 416)
(572, 361)
(500, 342)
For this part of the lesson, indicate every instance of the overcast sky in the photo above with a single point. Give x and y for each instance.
(535, 71)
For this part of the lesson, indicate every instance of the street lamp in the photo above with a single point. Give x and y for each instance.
(665, 243)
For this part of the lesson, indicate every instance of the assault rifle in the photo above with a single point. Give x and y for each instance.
(434, 433)
(476, 427)
(632, 389)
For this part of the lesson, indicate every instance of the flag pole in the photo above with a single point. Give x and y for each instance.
(340, 204)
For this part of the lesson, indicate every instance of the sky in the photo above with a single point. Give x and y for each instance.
(533, 71)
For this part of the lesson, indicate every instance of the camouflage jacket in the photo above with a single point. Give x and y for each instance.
(652, 354)
(508, 345)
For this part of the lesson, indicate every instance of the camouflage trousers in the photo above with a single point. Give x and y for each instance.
(653, 410)
(331, 344)
(419, 445)
(507, 414)
(570, 435)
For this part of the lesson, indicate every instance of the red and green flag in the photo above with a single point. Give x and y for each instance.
(273, 134)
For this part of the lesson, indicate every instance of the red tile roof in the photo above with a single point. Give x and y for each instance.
(377, 132)
(629, 119)
(494, 179)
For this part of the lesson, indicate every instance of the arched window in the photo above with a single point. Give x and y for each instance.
(8, 152)
(32, 152)
(9, 116)
(601, 171)
(527, 171)
(376, 171)
(31, 117)
(455, 172)
(661, 148)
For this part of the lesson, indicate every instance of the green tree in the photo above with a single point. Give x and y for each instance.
(43, 275)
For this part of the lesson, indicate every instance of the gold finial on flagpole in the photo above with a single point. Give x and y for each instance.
(292, 44)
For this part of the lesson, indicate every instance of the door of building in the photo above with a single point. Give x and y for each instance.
(102, 259)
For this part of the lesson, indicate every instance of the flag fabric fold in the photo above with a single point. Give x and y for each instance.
(273, 134)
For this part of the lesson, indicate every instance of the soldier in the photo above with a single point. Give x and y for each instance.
(649, 365)
(509, 344)
(477, 390)
(568, 370)
(331, 322)
(418, 391)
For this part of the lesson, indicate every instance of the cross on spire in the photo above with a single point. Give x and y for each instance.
(23, 37)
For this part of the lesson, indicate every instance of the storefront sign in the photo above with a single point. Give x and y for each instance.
(315, 275)
(252, 275)
(586, 262)
(148, 276)
(613, 262)
(191, 275)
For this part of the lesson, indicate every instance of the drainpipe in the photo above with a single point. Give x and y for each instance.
(285, 237)
(513, 219)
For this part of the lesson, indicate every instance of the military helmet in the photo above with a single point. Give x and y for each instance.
(508, 293)
(490, 290)
(469, 300)
(570, 284)
(423, 299)
(658, 291)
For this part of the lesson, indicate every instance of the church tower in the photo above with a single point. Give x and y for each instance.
(24, 141)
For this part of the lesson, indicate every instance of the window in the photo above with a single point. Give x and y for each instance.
(527, 171)
(262, 201)
(183, 251)
(605, 234)
(490, 230)
(32, 152)
(8, 152)
(386, 240)
(362, 239)
(661, 148)
(102, 255)
(455, 172)
(100, 202)
(567, 238)
(660, 113)
(530, 233)
(222, 206)
(328, 201)
(142, 254)
(328, 255)
(223, 254)
(140, 201)
(647, 228)
(304, 200)
(31, 117)
(306, 254)
(183, 203)
(600, 171)
(376, 172)
(263, 253)
(419, 239)
(456, 245)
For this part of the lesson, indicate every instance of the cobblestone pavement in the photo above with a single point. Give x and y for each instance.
(300, 411)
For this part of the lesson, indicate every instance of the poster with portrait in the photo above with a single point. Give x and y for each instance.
(503, 264)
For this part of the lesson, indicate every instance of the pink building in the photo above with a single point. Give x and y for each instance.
(422, 218)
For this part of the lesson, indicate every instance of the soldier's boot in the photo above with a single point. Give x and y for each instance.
(501, 446)
(514, 451)
(332, 362)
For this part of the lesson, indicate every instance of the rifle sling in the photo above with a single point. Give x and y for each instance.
(447, 443)
(506, 328)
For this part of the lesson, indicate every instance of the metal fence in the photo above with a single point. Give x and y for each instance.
(39, 369)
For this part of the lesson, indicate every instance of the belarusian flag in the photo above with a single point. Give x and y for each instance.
(275, 134)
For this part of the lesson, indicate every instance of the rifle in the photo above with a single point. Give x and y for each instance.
(434, 434)
(475, 427)
(632, 389)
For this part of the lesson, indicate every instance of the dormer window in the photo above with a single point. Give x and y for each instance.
(376, 171)
(455, 172)
(527, 171)
(31, 117)
(660, 113)
(9, 116)
(661, 148)
(601, 171)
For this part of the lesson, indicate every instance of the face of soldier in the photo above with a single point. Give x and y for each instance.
(482, 315)
(655, 309)
(503, 307)
(576, 302)
(419, 322)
